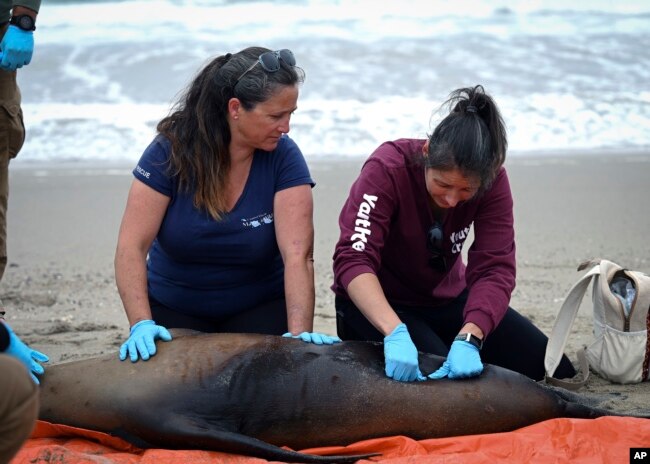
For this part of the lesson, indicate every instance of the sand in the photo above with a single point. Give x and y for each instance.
(59, 288)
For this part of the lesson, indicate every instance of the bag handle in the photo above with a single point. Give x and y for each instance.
(560, 332)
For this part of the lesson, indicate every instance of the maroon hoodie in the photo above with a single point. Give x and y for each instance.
(384, 225)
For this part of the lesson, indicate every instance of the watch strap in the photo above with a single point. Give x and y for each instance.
(470, 338)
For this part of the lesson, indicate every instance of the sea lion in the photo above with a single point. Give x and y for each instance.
(252, 394)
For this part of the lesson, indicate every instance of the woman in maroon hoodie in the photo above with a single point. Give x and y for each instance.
(398, 270)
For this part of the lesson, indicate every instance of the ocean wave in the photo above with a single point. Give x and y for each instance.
(567, 76)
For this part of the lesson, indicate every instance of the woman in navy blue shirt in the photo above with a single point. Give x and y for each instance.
(218, 234)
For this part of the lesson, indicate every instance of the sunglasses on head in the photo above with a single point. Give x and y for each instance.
(435, 236)
(270, 61)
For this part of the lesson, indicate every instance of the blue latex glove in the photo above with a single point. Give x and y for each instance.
(16, 48)
(401, 356)
(30, 358)
(315, 338)
(462, 361)
(142, 340)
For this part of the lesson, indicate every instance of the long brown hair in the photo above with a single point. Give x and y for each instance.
(197, 125)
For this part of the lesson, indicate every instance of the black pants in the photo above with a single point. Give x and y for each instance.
(269, 319)
(515, 343)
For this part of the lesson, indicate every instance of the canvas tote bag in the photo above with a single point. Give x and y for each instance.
(620, 350)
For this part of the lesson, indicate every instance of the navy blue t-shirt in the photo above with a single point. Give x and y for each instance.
(207, 268)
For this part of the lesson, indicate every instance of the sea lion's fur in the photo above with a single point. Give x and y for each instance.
(252, 394)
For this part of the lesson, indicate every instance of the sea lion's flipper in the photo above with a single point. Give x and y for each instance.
(186, 434)
(589, 406)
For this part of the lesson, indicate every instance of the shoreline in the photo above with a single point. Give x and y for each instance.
(514, 157)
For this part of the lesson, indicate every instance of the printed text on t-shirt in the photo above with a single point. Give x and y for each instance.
(142, 172)
(260, 219)
(362, 223)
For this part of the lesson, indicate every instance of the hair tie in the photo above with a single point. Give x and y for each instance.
(471, 109)
(227, 57)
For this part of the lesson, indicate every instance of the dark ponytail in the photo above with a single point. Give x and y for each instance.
(472, 137)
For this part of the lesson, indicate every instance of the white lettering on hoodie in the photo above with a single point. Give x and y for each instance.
(362, 223)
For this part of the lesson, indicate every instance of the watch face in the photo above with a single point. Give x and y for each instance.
(25, 22)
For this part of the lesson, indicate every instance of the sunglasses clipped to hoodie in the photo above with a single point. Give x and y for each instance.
(435, 236)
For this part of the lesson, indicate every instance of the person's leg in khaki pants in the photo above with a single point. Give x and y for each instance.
(12, 136)
(18, 406)
(4, 200)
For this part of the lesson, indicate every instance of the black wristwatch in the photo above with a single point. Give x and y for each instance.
(25, 22)
(468, 337)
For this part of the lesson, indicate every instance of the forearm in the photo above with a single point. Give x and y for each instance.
(131, 280)
(299, 294)
(366, 293)
(472, 328)
(31, 10)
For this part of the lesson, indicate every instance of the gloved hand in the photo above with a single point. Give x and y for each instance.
(315, 338)
(401, 356)
(142, 340)
(16, 48)
(30, 358)
(462, 361)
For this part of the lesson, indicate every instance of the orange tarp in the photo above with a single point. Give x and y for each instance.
(605, 440)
